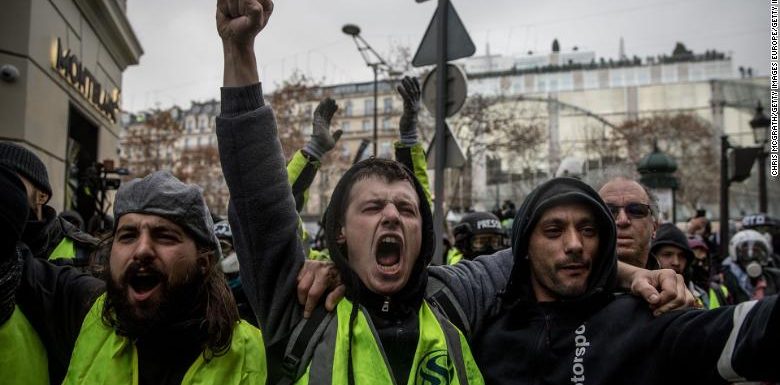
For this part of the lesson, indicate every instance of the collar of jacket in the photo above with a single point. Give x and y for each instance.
(44, 235)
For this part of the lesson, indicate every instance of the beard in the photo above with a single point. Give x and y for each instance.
(178, 299)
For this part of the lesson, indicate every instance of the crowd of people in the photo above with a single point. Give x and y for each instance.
(580, 284)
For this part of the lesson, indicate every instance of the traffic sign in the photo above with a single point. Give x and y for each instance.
(459, 43)
(457, 90)
(453, 154)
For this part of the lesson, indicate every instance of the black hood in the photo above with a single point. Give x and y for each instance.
(669, 235)
(412, 294)
(603, 275)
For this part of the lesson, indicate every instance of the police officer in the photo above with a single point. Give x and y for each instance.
(477, 233)
(748, 271)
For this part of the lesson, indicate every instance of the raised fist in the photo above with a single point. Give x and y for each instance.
(239, 21)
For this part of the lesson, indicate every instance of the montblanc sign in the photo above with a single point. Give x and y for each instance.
(80, 78)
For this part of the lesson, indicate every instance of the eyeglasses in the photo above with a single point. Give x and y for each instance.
(633, 210)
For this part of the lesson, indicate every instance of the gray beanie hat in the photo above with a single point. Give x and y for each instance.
(160, 193)
(26, 163)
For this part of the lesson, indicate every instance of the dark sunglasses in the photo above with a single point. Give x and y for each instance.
(633, 210)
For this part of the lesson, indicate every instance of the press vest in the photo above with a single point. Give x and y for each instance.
(442, 355)
(243, 363)
(22, 355)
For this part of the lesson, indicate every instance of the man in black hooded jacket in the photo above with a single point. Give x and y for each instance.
(560, 322)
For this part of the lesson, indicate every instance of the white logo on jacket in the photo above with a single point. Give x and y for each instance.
(581, 345)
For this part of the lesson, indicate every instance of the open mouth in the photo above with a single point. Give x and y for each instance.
(143, 283)
(388, 253)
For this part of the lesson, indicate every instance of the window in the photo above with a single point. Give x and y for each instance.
(384, 150)
(669, 73)
(190, 124)
(368, 106)
(388, 105)
(642, 75)
(387, 123)
(518, 83)
(590, 79)
(616, 78)
(541, 83)
(367, 125)
(203, 123)
(565, 81)
(348, 108)
(345, 126)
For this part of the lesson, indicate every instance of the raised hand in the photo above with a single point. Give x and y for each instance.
(410, 93)
(322, 140)
(238, 22)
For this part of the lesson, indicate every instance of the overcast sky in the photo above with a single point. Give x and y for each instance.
(182, 58)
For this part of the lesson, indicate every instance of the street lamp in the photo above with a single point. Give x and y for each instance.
(657, 172)
(760, 125)
(377, 63)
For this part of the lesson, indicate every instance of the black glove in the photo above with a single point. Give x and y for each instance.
(322, 140)
(410, 93)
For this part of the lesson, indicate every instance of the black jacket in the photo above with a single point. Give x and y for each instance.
(43, 236)
(606, 338)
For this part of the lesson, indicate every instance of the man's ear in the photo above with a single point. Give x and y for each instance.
(341, 238)
(655, 228)
(204, 260)
(41, 197)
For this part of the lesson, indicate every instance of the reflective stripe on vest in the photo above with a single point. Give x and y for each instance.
(22, 355)
(65, 250)
(442, 355)
(103, 357)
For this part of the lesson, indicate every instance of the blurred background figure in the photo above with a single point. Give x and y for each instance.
(769, 227)
(477, 233)
(230, 267)
(749, 271)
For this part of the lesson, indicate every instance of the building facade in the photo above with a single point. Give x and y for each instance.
(60, 93)
(581, 98)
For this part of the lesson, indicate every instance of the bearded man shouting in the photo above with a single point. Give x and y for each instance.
(164, 314)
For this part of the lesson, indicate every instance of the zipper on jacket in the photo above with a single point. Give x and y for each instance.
(386, 305)
(547, 328)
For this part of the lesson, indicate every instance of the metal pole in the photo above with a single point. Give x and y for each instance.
(724, 197)
(762, 204)
(376, 124)
(441, 105)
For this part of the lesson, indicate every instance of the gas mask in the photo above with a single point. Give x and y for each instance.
(752, 257)
(751, 250)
